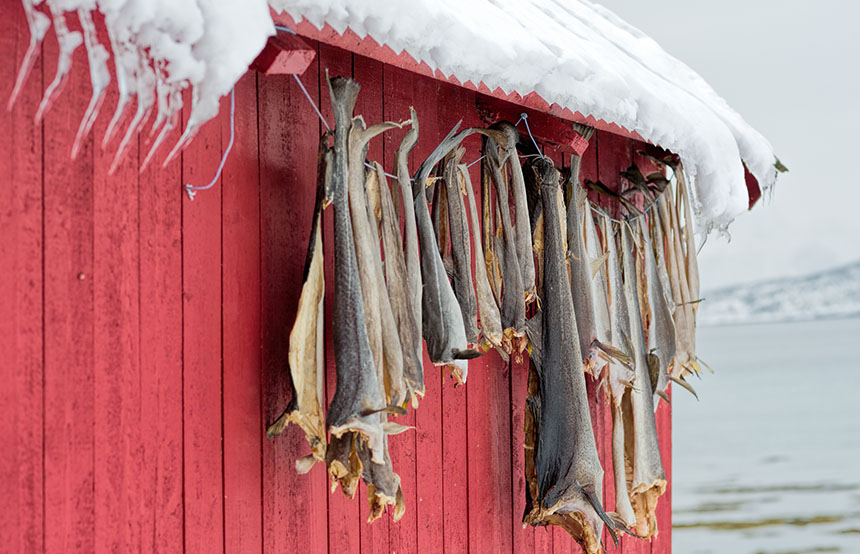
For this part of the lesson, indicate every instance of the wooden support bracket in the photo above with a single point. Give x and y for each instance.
(284, 54)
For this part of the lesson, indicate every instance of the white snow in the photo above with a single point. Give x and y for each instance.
(581, 57)
(572, 53)
(161, 47)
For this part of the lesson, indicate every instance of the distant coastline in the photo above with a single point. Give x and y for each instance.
(829, 294)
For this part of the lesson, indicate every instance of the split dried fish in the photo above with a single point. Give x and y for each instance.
(620, 377)
(661, 335)
(522, 226)
(512, 305)
(412, 372)
(490, 318)
(647, 480)
(306, 360)
(461, 255)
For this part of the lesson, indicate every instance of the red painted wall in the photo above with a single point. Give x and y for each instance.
(143, 338)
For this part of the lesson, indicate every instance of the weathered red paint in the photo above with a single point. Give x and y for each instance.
(145, 335)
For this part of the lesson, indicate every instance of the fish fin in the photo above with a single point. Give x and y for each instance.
(684, 384)
(614, 353)
(595, 503)
(597, 262)
(466, 354)
(399, 505)
(393, 409)
(305, 463)
(392, 428)
(664, 396)
(619, 523)
(704, 363)
(277, 427)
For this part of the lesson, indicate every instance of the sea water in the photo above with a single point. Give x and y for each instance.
(768, 460)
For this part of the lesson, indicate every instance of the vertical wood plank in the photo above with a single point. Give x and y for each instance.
(122, 501)
(201, 315)
(161, 335)
(523, 538)
(68, 318)
(21, 333)
(294, 506)
(344, 523)
(662, 543)
(403, 535)
(243, 428)
(429, 418)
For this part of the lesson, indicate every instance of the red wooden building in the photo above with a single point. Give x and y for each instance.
(144, 336)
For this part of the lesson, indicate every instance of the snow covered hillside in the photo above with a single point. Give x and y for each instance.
(830, 293)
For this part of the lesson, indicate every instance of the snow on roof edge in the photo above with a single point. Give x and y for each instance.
(583, 58)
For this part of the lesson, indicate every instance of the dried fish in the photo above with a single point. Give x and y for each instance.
(307, 364)
(358, 388)
(661, 335)
(620, 377)
(513, 306)
(398, 293)
(522, 226)
(567, 472)
(461, 255)
(379, 319)
(442, 321)
(647, 480)
(413, 373)
(490, 318)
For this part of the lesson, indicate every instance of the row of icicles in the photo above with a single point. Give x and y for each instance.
(141, 77)
(554, 278)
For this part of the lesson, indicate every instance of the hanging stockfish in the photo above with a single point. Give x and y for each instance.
(461, 255)
(381, 328)
(442, 319)
(685, 327)
(620, 377)
(358, 394)
(490, 318)
(512, 302)
(412, 348)
(306, 361)
(398, 293)
(563, 470)
(646, 479)
(391, 368)
(522, 226)
(591, 345)
(661, 332)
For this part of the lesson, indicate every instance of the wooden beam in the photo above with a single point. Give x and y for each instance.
(284, 54)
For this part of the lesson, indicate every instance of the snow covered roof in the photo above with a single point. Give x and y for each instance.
(572, 54)
(581, 57)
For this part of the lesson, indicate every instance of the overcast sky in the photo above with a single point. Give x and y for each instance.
(790, 68)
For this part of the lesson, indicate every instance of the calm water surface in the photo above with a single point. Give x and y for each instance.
(768, 461)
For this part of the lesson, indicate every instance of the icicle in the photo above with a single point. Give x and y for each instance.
(68, 41)
(145, 85)
(125, 61)
(39, 24)
(171, 114)
(97, 56)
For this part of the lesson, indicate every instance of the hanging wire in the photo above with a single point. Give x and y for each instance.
(191, 189)
(524, 117)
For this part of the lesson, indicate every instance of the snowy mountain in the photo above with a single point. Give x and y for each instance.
(826, 294)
